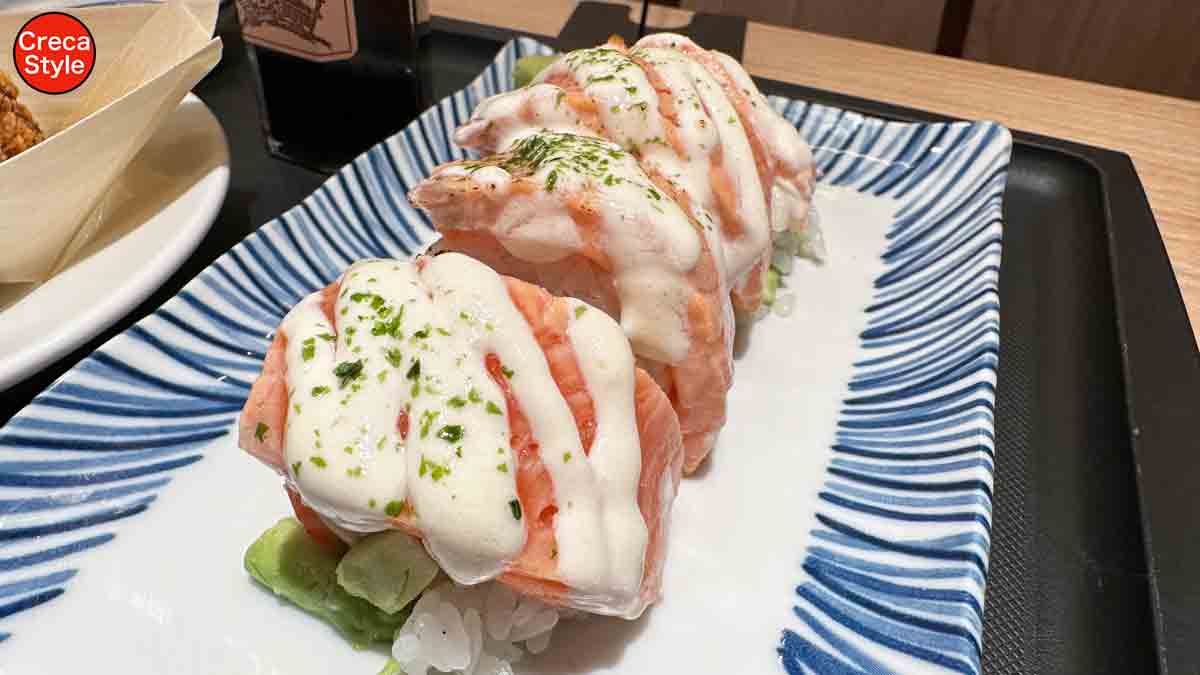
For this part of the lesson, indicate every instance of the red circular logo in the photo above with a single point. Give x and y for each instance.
(54, 53)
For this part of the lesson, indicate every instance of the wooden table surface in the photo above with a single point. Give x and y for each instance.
(1160, 133)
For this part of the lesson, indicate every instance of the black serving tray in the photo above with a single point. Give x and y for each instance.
(1095, 560)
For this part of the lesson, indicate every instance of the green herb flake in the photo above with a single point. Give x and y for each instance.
(416, 390)
(551, 180)
(371, 503)
(356, 472)
(456, 402)
(393, 357)
(458, 452)
(296, 407)
(260, 431)
(508, 372)
(348, 371)
(427, 419)
(436, 471)
(328, 337)
(377, 302)
(473, 395)
(414, 371)
(493, 408)
(296, 468)
(382, 376)
(318, 461)
(442, 331)
(451, 433)
(424, 332)
(566, 457)
(631, 90)
(502, 467)
(394, 508)
(308, 349)
(515, 506)
(580, 310)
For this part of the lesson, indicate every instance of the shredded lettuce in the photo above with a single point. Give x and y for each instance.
(528, 67)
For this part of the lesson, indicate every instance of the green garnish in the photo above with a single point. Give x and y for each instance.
(382, 376)
(456, 402)
(427, 419)
(387, 327)
(473, 396)
(580, 310)
(309, 349)
(319, 391)
(328, 337)
(442, 331)
(318, 461)
(516, 509)
(451, 433)
(347, 371)
(296, 468)
(493, 408)
(394, 508)
(393, 357)
(507, 371)
(356, 472)
(371, 503)
(424, 332)
(566, 456)
(502, 467)
(414, 371)
(260, 431)
(436, 471)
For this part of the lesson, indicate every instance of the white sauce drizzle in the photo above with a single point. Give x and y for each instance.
(606, 361)
(649, 240)
(455, 468)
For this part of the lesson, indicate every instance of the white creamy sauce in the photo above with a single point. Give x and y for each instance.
(454, 475)
(506, 118)
(708, 124)
(649, 240)
(603, 354)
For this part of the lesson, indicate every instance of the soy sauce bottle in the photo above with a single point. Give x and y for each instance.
(334, 76)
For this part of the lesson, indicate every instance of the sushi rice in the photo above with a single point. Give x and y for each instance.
(473, 630)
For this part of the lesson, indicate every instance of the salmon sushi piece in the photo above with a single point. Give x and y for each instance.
(578, 216)
(688, 114)
(507, 428)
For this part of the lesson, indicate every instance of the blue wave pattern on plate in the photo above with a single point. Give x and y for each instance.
(897, 557)
(97, 446)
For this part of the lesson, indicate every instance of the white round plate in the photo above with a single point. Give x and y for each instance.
(161, 207)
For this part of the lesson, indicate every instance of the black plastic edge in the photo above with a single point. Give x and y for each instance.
(1162, 387)
(1160, 362)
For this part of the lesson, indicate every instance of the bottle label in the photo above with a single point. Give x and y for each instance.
(317, 30)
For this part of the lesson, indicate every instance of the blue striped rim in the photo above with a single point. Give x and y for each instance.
(914, 446)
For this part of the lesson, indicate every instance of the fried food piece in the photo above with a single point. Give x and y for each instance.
(18, 130)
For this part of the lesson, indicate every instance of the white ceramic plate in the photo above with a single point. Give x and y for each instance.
(161, 208)
(841, 525)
